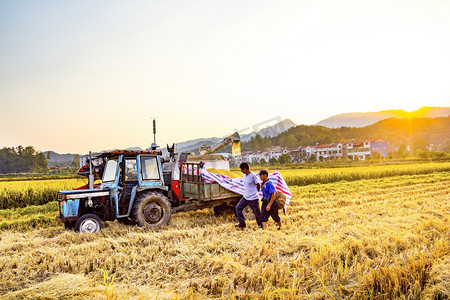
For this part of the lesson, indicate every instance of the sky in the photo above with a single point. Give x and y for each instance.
(79, 76)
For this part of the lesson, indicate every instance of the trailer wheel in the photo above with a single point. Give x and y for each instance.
(151, 210)
(223, 209)
(89, 223)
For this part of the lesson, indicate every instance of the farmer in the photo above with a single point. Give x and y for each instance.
(250, 197)
(269, 204)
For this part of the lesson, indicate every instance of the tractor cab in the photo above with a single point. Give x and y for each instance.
(128, 173)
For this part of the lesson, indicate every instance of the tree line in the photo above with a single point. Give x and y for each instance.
(22, 160)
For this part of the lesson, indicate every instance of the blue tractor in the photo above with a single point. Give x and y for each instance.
(132, 191)
(140, 187)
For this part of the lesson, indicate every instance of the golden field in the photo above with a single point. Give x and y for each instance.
(379, 238)
(22, 193)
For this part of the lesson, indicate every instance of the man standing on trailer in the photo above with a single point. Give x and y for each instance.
(250, 198)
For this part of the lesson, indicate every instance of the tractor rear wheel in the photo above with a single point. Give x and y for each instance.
(151, 210)
(88, 223)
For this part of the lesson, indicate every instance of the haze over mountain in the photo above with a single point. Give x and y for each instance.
(358, 119)
(269, 131)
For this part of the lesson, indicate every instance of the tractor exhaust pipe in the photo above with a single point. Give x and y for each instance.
(91, 175)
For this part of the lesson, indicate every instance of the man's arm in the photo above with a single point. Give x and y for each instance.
(272, 200)
(258, 185)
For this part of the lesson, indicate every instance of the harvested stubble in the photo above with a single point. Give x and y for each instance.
(381, 238)
(64, 286)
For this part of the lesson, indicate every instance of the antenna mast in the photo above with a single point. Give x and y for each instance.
(154, 131)
(154, 145)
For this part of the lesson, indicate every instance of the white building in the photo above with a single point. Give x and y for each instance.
(364, 149)
(329, 151)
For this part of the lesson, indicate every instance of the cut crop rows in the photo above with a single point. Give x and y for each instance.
(383, 238)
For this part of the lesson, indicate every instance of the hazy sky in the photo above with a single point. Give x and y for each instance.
(90, 75)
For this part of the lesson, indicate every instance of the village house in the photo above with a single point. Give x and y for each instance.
(364, 149)
(295, 154)
(329, 151)
(354, 149)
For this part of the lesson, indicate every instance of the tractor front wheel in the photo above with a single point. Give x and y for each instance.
(88, 223)
(151, 210)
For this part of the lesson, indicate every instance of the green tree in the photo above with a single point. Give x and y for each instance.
(445, 146)
(422, 154)
(376, 156)
(420, 144)
(76, 160)
(288, 140)
(401, 151)
(273, 161)
(435, 155)
(20, 159)
(284, 159)
(324, 138)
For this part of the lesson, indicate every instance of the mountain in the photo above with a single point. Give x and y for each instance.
(55, 159)
(194, 144)
(270, 131)
(369, 118)
(413, 132)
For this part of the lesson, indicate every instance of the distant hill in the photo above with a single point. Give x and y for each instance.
(395, 131)
(369, 118)
(58, 159)
(270, 131)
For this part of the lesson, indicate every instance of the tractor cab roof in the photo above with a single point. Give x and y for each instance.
(130, 153)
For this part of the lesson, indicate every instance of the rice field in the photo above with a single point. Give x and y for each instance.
(329, 175)
(22, 193)
(370, 238)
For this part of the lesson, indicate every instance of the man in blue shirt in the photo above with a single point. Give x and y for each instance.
(250, 198)
(269, 204)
